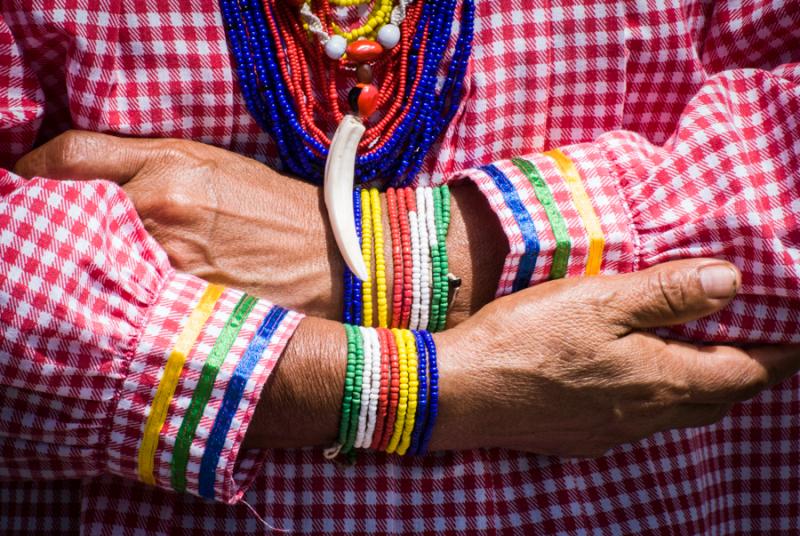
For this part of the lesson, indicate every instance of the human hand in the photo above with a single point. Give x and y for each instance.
(219, 216)
(232, 220)
(563, 368)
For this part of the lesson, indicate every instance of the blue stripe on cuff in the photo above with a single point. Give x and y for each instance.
(233, 395)
(526, 226)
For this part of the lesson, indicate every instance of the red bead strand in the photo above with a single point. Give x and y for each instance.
(407, 203)
(394, 389)
(397, 256)
(383, 393)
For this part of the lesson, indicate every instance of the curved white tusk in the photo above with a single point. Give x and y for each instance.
(338, 186)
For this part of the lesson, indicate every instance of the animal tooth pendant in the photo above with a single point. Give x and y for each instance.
(341, 163)
(338, 190)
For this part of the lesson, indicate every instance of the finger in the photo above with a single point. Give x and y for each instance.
(664, 295)
(724, 374)
(87, 155)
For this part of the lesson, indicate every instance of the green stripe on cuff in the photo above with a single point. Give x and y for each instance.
(202, 393)
(563, 243)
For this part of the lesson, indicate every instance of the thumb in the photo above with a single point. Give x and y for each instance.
(78, 154)
(670, 293)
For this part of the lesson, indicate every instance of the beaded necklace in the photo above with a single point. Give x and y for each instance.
(284, 51)
(279, 68)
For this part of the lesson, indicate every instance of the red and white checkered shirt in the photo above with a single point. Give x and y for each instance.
(678, 125)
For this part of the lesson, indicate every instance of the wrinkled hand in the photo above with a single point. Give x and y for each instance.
(563, 369)
(218, 215)
(231, 220)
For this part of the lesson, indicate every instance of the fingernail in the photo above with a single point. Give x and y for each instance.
(718, 281)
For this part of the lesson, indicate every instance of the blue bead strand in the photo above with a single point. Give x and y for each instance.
(421, 416)
(396, 159)
(433, 393)
(352, 285)
(357, 289)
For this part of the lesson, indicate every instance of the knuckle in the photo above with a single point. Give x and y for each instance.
(187, 153)
(70, 147)
(595, 302)
(176, 150)
(669, 286)
(175, 201)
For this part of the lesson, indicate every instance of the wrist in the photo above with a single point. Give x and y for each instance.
(301, 404)
(456, 425)
(477, 248)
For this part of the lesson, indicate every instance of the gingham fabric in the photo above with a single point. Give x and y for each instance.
(91, 312)
(675, 104)
(656, 204)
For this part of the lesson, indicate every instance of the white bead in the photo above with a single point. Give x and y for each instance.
(366, 386)
(413, 322)
(424, 256)
(335, 47)
(389, 36)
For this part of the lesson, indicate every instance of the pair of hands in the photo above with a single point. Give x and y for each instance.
(562, 368)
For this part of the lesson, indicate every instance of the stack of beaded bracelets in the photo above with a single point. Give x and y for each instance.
(391, 392)
(421, 289)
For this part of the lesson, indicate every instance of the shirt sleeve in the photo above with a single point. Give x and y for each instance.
(111, 361)
(22, 101)
(725, 185)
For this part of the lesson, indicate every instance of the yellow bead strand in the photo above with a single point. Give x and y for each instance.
(366, 253)
(402, 404)
(413, 391)
(348, 3)
(378, 17)
(380, 259)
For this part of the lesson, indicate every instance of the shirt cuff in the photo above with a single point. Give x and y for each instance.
(197, 372)
(563, 215)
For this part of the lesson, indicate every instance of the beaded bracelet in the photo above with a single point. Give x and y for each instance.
(366, 386)
(382, 410)
(413, 392)
(405, 242)
(432, 408)
(392, 207)
(431, 197)
(349, 379)
(422, 397)
(441, 198)
(416, 263)
(352, 285)
(424, 256)
(402, 404)
(380, 260)
(355, 401)
(394, 390)
(422, 287)
(366, 252)
(390, 398)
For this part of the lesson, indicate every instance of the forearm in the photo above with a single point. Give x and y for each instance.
(301, 404)
(476, 249)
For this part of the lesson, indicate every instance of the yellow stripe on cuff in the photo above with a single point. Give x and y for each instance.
(584, 206)
(169, 381)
